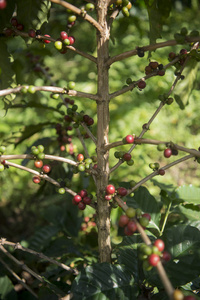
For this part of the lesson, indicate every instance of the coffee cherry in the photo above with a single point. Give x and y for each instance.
(81, 205)
(166, 256)
(140, 52)
(31, 89)
(83, 193)
(36, 179)
(167, 152)
(58, 45)
(123, 220)
(127, 156)
(71, 85)
(14, 21)
(130, 212)
(81, 168)
(127, 231)
(2, 167)
(153, 65)
(40, 148)
(132, 226)
(3, 4)
(141, 84)
(122, 191)
(129, 139)
(153, 259)
(146, 249)
(89, 7)
(77, 199)
(20, 27)
(178, 295)
(47, 41)
(63, 35)
(172, 55)
(38, 164)
(46, 169)
(147, 216)
(87, 200)
(108, 197)
(80, 157)
(159, 244)
(41, 156)
(32, 33)
(110, 189)
(144, 222)
(161, 172)
(71, 39)
(161, 147)
(125, 11)
(61, 190)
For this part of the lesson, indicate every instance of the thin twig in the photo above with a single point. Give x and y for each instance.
(93, 138)
(18, 246)
(51, 89)
(43, 37)
(153, 47)
(79, 12)
(21, 281)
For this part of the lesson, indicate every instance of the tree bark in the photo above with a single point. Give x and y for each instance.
(103, 206)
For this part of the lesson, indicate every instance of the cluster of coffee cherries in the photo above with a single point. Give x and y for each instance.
(89, 223)
(168, 151)
(152, 254)
(124, 6)
(154, 67)
(111, 192)
(85, 164)
(180, 37)
(124, 156)
(62, 41)
(178, 295)
(81, 199)
(39, 155)
(128, 221)
(156, 167)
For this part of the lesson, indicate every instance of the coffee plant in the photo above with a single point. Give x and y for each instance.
(110, 218)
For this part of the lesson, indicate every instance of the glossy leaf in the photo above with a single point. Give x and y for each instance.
(104, 281)
(188, 194)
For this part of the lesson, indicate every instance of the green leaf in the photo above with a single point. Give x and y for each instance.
(188, 194)
(42, 237)
(106, 282)
(148, 204)
(33, 13)
(183, 242)
(190, 214)
(7, 74)
(7, 291)
(158, 12)
(184, 87)
(31, 130)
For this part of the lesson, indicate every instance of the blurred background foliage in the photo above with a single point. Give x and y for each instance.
(26, 207)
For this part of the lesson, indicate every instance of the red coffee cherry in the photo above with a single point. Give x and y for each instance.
(81, 205)
(129, 139)
(76, 199)
(159, 244)
(132, 226)
(80, 157)
(123, 220)
(122, 191)
(38, 163)
(127, 156)
(110, 189)
(46, 168)
(141, 84)
(3, 4)
(36, 179)
(47, 41)
(82, 193)
(153, 259)
(167, 152)
(166, 256)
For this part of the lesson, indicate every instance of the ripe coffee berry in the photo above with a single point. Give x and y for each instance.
(47, 41)
(83, 193)
(77, 199)
(127, 156)
(122, 191)
(167, 152)
(161, 172)
(129, 139)
(108, 197)
(166, 256)
(132, 226)
(80, 157)
(127, 231)
(71, 39)
(14, 21)
(38, 163)
(123, 220)
(36, 179)
(63, 35)
(110, 189)
(46, 168)
(3, 4)
(87, 200)
(32, 33)
(141, 84)
(159, 244)
(153, 259)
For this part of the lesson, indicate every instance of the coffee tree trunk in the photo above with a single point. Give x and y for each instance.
(103, 210)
